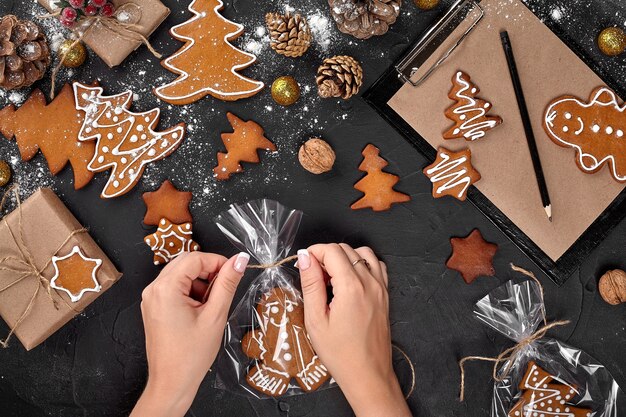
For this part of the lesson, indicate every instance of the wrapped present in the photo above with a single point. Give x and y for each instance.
(50, 268)
(112, 44)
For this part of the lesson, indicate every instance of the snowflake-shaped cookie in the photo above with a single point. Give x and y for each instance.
(171, 240)
(75, 274)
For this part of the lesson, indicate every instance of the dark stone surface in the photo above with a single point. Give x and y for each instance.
(95, 365)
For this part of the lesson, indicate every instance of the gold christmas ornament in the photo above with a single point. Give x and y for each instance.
(285, 90)
(5, 173)
(426, 4)
(72, 53)
(612, 41)
(316, 156)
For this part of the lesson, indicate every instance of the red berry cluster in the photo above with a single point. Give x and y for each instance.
(73, 10)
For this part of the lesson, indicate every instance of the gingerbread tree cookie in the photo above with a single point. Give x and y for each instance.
(169, 203)
(241, 145)
(452, 173)
(468, 113)
(207, 63)
(472, 256)
(281, 347)
(542, 395)
(595, 129)
(171, 240)
(125, 141)
(377, 185)
(75, 274)
(53, 128)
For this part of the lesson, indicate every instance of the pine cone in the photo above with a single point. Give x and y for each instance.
(289, 35)
(24, 53)
(339, 76)
(364, 18)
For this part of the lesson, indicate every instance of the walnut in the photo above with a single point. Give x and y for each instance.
(612, 287)
(316, 156)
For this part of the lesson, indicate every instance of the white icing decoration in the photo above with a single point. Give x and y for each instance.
(168, 235)
(450, 173)
(76, 297)
(472, 128)
(604, 97)
(96, 107)
(167, 63)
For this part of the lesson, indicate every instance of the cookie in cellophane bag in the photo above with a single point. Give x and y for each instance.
(540, 376)
(267, 351)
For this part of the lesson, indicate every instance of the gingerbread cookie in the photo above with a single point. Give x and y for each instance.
(169, 203)
(54, 129)
(543, 395)
(468, 113)
(377, 185)
(595, 129)
(281, 347)
(472, 256)
(208, 63)
(241, 146)
(75, 274)
(171, 240)
(125, 141)
(452, 173)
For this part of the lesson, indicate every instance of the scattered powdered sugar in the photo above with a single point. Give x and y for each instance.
(321, 29)
(556, 14)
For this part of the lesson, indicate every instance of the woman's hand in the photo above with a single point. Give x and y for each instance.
(352, 335)
(183, 335)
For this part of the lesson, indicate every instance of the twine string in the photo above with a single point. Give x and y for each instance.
(26, 265)
(126, 31)
(408, 360)
(508, 356)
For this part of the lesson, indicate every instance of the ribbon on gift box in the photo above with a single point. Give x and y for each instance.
(26, 266)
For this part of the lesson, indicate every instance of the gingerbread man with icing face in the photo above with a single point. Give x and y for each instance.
(281, 346)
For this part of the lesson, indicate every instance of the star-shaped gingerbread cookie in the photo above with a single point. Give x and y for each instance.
(75, 274)
(169, 203)
(171, 240)
(452, 173)
(472, 256)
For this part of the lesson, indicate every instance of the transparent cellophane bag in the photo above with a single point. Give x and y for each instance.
(267, 352)
(517, 310)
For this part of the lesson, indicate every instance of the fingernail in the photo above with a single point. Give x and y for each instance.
(304, 260)
(241, 262)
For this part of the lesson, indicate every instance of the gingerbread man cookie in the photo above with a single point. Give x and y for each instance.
(281, 347)
(595, 129)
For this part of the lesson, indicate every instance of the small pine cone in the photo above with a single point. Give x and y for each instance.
(339, 76)
(364, 18)
(289, 35)
(24, 53)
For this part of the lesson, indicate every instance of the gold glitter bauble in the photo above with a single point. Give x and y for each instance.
(612, 41)
(426, 4)
(75, 55)
(5, 173)
(285, 90)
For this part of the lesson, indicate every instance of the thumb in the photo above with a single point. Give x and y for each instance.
(313, 287)
(224, 286)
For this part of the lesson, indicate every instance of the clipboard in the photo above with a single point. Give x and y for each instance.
(412, 96)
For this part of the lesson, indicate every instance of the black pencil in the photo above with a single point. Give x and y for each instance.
(530, 136)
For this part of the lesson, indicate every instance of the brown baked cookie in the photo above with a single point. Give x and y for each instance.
(452, 173)
(469, 113)
(472, 256)
(54, 129)
(169, 203)
(170, 241)
(75, 274)
(543, 395)
(281, 347)
(595, 130)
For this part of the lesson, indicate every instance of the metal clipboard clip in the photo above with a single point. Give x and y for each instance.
(434, 37)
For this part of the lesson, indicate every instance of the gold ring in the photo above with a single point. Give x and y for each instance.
(361, 260)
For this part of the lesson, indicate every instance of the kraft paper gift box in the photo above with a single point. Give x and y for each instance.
(38, 229)
(114, 48)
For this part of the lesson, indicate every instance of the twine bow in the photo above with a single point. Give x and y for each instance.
(25, 265)
(126, 31)
(508, 356)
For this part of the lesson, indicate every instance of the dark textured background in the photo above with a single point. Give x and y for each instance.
(95, 365)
